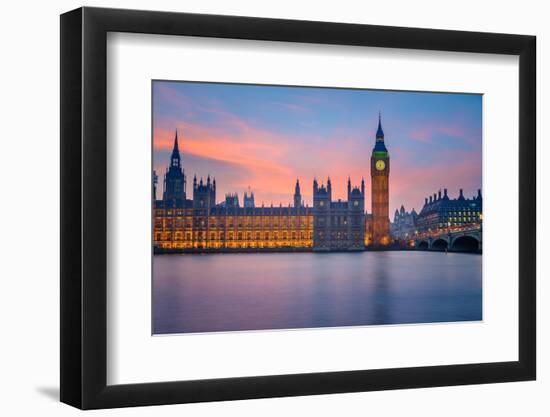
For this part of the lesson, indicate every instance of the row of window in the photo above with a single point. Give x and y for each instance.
(191, 212)
(322, 203)
(232, 236)
(235, 244)
(168, 226)
(339, 236)
(340, 220)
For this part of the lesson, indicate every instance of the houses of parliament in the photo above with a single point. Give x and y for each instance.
(183, 223)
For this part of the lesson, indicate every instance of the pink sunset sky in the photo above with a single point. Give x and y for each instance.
(264, 137)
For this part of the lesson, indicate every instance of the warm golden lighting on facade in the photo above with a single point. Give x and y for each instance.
(179, 229)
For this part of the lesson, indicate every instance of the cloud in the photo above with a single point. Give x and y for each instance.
(241, 151)
(428, 133)
(293, 107)
(410, 183)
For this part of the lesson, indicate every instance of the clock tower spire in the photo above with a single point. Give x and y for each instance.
(380, 172)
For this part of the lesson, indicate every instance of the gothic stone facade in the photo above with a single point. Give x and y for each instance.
(338, 225)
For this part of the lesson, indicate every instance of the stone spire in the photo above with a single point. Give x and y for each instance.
(175, 159)
(380, 132)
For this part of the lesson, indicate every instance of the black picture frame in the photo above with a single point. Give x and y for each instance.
(84, 207)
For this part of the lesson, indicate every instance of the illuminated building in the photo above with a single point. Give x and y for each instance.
(441, 212)
(202, 224)
(380, 172)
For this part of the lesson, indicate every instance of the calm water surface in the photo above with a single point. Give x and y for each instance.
(224, 292)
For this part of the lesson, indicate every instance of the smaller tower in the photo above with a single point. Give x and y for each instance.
(155, 183)
(204, 195)
(232, 200)
(356, 199)
(174, 178)
(321, 214)
(176, 158)
(356, 216)
(297, 195)
(248, 199)
(321, 196)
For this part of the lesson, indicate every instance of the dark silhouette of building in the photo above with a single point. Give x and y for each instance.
(204, 193)
(155, 183)
(380, 172)
(248, 199)
(297, 195)
(338, 225)
(174, 178)
(439, 211)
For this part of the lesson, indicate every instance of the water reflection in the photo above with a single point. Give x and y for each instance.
(225, 292)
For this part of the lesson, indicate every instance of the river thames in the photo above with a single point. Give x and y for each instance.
(260, 291)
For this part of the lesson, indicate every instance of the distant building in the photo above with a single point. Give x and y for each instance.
(439, 211)
(404, 224)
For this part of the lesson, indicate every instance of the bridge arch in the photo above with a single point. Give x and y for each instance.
(440, 245)
(465, 243)
(423, 245)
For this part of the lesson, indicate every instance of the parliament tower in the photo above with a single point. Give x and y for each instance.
(174, 178)
(380, 171)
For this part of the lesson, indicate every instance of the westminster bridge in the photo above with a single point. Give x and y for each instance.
(467, 238)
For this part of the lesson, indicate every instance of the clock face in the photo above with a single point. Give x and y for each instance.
(380, 165)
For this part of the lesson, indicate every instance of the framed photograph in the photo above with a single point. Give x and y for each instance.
(258, 208)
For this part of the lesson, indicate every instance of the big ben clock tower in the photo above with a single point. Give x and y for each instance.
(380, 172)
